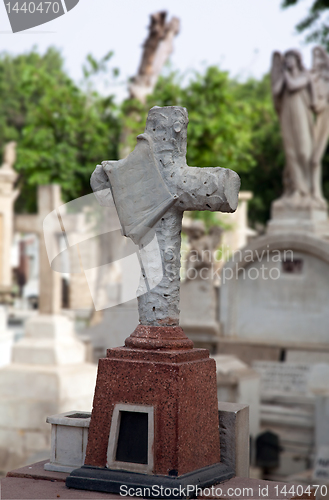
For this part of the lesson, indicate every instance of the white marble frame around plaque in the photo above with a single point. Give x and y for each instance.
(112, 463)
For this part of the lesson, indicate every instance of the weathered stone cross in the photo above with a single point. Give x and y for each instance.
(152, 188)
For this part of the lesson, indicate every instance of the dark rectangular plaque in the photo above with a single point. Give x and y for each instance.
(292, 266)
(133, 437)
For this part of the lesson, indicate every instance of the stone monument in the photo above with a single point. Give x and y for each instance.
(277, 287)
(8, 196)
(301, 99)
(49, 373)
(155, 396)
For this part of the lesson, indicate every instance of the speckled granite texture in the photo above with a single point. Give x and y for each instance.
(181, 385)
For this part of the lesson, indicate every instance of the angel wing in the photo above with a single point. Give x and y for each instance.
(277, 79)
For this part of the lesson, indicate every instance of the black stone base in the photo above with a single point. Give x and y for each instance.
(120, 482)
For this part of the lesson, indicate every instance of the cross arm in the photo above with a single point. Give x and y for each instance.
(215, 189)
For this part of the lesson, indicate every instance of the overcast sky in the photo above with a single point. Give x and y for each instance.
(239, 35)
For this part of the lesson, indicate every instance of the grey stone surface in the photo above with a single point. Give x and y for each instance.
(234, 436)
(282, 309)
(161, 152)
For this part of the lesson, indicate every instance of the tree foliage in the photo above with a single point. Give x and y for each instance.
(316, 23)
(61, 131)
(64, 130)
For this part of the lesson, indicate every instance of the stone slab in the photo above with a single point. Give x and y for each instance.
(234, 436)
(249, 350)
(238, 484)
(264, 297)
(38, 489)
(37, 484)
(279, 377)
(37, 471)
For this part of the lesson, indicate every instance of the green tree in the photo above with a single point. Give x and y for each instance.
(315, 24)
(61, 131)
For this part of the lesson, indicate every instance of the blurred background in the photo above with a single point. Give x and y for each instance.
(76, 91)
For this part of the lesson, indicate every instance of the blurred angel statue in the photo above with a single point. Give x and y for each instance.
(320, 80)
(292, 91)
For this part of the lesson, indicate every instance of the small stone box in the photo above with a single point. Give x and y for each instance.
(69, 437)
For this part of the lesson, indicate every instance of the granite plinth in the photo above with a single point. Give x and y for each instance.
(180, 385)
(94, 478)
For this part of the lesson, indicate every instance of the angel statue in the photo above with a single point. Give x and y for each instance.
(320, 80)
(293, 100)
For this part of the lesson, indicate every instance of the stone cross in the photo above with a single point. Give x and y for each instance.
(50, 291)
(151, 189)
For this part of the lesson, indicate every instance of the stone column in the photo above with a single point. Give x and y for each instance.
(7, 197)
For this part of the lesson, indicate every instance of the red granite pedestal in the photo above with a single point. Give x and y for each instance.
(157, 369)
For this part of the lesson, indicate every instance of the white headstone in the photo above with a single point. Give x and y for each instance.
(321, 465)
(278, 378)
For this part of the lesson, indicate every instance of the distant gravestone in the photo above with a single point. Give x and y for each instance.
(321, 466)
(287, 409)
(282, 377)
